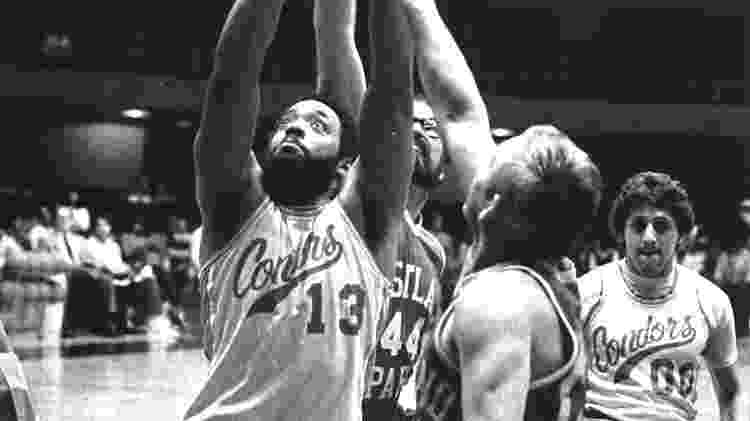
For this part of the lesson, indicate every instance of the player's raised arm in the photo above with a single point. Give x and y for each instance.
(451, 91)
(382, 177)
(227, 172)
(340, 74)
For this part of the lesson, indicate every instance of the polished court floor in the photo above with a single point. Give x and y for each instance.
(132, 379)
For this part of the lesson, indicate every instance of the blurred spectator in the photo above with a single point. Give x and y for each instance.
(134, 242)
(134, 288)
(90, 304)
(41, 231)
(12, 255)
(696, 253)
(732, 271)
(181, 267)
(81, 215)
(733, 264)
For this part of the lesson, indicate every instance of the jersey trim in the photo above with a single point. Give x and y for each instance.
(599, 297)
(370, 258)
(535, 384)
(431, 243)
(565, 368)
(249, 222)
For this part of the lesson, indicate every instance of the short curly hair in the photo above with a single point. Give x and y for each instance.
(655, 189)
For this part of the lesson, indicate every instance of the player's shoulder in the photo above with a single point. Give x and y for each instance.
(592, 282)
(500, 295)
(213, 246)
(708, 292)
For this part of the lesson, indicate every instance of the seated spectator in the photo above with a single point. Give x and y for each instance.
(40, 264)
(81, 215)
(40, 233)
(135, 241)
(134, 287)
(13, 256)
(89, 306)
(182, 270)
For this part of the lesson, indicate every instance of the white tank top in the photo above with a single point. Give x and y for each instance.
(292, 306)
(645, 355)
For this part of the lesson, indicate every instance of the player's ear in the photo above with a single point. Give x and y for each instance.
(489, 208)
(343, 167)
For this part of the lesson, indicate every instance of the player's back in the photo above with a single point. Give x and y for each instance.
(558, 395)
(411, 307)
(294, 302)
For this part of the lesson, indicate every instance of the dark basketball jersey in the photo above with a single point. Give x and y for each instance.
(410, 310)
(557, 396)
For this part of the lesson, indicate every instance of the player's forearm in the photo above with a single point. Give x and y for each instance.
(392, 53)
(733, 404)
(451, 91)
(448, 82)
(245, 37)
(386, 154)
(232, 91)
(340, 73)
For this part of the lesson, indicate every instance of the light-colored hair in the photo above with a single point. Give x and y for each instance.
(557, 189)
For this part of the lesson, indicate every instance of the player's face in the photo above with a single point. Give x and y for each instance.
(303, 154)
(307, 130)
(428, 145)
(651, 239)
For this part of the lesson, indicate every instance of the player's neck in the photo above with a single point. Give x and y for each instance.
(651, 287)
(481, 256)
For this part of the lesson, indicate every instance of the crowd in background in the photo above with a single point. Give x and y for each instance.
(132, 270)
(137, 266)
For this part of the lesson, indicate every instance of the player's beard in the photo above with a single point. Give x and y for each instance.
(298, 181)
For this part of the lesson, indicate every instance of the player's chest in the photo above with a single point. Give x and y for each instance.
(626, 334)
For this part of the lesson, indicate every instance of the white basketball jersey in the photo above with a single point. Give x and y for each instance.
(645, 354)
(294, 301)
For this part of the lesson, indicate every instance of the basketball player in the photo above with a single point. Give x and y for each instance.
(295, 278)
(648, 319)
(450, 124)
(508, 347)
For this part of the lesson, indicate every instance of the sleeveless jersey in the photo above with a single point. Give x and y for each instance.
(645, 353)
(558, 396)
(293, 306)
(411, 308)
